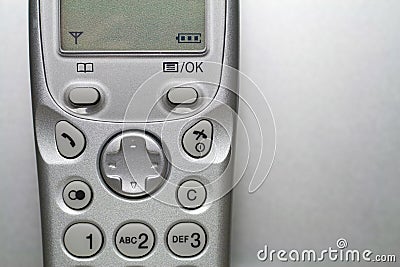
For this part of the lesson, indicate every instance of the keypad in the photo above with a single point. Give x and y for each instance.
(135, 240)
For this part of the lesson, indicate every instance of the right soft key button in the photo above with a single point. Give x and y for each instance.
(197, 140)
(182, 96)
(186, 239)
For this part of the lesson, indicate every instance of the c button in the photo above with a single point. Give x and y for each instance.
(192, 195)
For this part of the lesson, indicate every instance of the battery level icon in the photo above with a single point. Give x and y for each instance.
(189, 38)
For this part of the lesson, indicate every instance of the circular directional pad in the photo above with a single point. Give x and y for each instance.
(133, 164)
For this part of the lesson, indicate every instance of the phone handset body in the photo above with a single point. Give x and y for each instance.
(133, 105)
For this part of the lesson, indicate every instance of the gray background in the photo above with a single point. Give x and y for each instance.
(330, 70)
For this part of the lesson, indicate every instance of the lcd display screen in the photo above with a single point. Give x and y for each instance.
(132, 25)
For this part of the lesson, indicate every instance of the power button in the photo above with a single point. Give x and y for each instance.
(198, 139)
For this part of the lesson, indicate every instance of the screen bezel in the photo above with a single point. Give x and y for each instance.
(132, 52)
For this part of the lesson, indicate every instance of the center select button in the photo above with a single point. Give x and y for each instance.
(182, 96)
(84, 96)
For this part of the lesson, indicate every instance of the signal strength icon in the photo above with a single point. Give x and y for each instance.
(76, 36)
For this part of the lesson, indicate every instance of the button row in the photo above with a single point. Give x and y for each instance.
(90, 96)
(135, 240)
(139, 152)
(197, 140)
(191, 195)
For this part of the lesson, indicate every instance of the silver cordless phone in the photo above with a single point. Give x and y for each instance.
(134, 108)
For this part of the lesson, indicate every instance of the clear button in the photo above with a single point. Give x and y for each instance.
(192, 194)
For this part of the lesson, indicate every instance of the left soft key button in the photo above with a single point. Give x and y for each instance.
(70, 141)
(84, 96)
